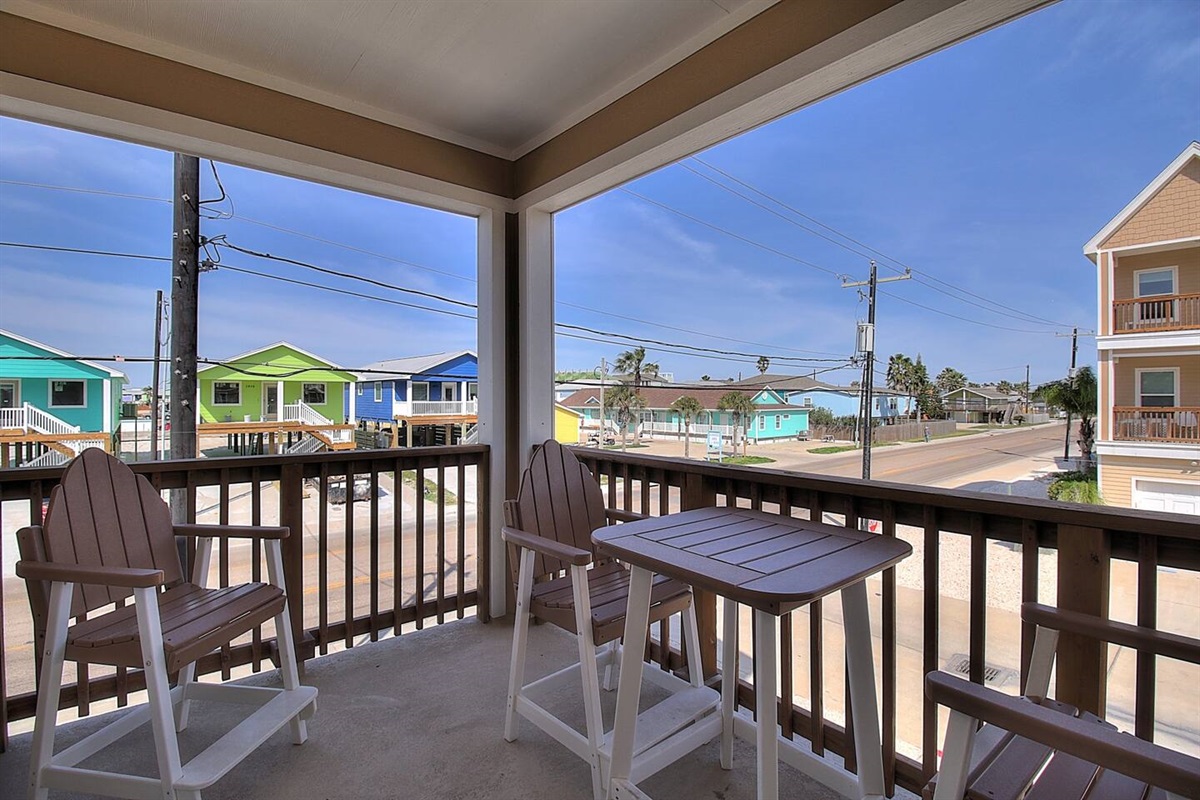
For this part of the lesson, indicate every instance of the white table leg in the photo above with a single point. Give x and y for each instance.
(729, 679)
(629, 685)
(766, 675)
(864, 706)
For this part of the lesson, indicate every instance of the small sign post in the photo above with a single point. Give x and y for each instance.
(716, 446)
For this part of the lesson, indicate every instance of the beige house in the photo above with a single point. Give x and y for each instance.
(1148, 442)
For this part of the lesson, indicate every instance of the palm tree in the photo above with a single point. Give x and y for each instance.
(900, 376)
(687, 407)
(1078, 397)
(741, 408)
(633, 363)
(624, 402)
(763, 365)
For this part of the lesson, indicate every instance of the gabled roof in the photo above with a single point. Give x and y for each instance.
(258, 350)
(33, 343)
(989, 392)
(405, 368)
(1093, 246)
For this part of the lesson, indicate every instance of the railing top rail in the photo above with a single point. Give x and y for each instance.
(266, 464)
(1156, 297)
(1181, 526)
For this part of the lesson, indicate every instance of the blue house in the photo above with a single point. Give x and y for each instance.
(435, 389)
(887, 405)
(774, 418)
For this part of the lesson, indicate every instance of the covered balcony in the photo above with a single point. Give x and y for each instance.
(1156, 398)
(400, 600)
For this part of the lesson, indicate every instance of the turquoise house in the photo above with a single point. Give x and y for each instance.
(774, 418)
(44, 390)
(887, 405)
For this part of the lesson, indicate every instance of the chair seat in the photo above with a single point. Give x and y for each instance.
(195, 621)
(608, 592)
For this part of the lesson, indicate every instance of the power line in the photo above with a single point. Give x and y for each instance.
(405, 262)
(964, 319)
(934, 279)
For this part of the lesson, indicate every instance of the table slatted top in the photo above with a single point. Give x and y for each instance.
(767, 561)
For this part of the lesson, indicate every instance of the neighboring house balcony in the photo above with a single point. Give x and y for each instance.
(1171, 312)
(1156, 424)
(977, 547)
(437, 408)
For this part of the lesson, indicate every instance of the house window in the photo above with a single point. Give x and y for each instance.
(787, 416)
(378, 391)
(420, 390)
(313, 394)
(778, 422)
(762, 423)
(472, 391)
(1156, 388)
(68, 394)
(1155, 281)
(227, 393)
(359, 387)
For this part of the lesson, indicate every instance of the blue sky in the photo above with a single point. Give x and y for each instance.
(986, 166)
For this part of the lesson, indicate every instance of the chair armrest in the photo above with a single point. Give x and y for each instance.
(232, 531)
(617, 515)
(1146, 640)
(121, 577)
(547, 547)
(1120, 752)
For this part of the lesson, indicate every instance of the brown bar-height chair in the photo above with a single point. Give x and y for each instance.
(559, 580)
(107, 535)
(1034, 748)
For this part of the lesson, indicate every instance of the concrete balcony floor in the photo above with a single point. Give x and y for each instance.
(420, 717)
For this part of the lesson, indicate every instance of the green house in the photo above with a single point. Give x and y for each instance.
(44, 390)
(279, 382)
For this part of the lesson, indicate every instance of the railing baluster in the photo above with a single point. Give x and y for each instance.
(460, 518)
(323, 559)
(1147, 617)
(419, 504)
(977, 609)
(441, 540)
(787, 665)
(888, 635)
(1029, 591)
(256, 561)
(929, 641)
(223, 560)
(397, 545)
(348, 536)
(374, 552)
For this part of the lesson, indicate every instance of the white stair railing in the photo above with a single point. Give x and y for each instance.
(304, 413)
(34, 418)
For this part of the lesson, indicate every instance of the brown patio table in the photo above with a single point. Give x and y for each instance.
(774, 564)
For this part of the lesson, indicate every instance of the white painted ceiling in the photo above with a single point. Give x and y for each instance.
(499, 75)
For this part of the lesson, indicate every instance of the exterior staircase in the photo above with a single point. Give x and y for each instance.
(309, 444)
(31, 420)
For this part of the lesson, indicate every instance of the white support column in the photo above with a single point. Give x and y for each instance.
(537, 329)
(108, 405)
(351, 411)
(279, 401)
(493, 388)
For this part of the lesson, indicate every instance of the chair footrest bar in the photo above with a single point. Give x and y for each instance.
(209, 766)
(92, 781)
(231, 693)
(668, 717)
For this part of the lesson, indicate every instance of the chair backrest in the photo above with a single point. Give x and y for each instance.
(102, 514)
(560, 500)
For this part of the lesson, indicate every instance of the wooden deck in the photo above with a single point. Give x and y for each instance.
(275, 432)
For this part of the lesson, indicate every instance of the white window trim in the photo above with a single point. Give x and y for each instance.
(213, 392)
(324, 386)
(412, 391)
(377, 392)
(50, 392)
(762, 422)
(1174, 270)
(1137, 384)
(17, 398)
(778, 422)
(359, 387)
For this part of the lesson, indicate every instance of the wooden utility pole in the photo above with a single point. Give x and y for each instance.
(155, 402)
(185, 293)
(866, 345)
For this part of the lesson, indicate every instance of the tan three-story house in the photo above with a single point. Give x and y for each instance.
(1148, 260)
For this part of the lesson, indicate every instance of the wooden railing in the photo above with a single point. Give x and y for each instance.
(350, 574)
(1167, 312)
(1156, 424)
(954, 534)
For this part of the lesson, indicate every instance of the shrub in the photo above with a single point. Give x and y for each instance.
(1076, 487)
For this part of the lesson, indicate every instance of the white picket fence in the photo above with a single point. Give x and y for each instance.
(698, 432)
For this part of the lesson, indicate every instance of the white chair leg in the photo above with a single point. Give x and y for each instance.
(956, 757)
(587, 670)
(1041, 662)
(283, 636)
(154, 662)
(637, 624)
(42, 745)
(861, 672)
(610, 665)
(204, 546)
(691, 637)
(729, 679)
(516, 673)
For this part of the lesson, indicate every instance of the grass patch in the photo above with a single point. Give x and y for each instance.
(629, 446)
(839, 448)
(748, 460)
(409, 477)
